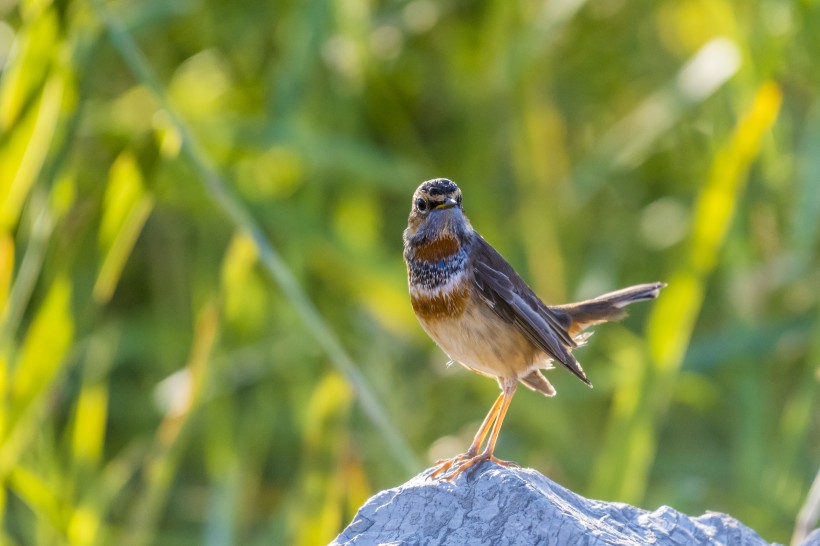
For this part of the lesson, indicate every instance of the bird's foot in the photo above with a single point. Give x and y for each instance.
(505, 464)
(444, 465)
(450, 469)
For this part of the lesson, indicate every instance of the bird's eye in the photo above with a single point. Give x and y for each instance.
(421, 204)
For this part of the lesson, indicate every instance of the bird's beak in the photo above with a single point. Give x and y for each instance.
(446, 204)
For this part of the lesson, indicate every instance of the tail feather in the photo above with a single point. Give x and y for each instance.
(538, 383)
(608, 307)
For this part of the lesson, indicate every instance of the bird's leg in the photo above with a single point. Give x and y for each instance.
(471, 452)
(460, 464)
(502, 412)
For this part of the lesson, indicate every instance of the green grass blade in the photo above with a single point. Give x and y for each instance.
(623, 468)
(268, 255)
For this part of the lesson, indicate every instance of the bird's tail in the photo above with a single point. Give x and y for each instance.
(608, 307)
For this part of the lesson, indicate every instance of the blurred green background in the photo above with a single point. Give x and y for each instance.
(206, 336)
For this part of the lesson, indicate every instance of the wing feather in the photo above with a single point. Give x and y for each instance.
(511, 299)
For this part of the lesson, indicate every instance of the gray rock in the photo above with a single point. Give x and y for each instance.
(813, 539)
(496, 506)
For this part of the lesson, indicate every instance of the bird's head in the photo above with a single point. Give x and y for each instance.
(436, 211)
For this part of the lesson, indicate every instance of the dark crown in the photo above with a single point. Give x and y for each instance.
(438, 186)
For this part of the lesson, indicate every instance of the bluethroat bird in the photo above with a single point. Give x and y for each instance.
(479, 311)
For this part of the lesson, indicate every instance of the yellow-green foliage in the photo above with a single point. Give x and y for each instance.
(205, 335)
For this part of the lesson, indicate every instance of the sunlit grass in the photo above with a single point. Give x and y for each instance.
(204, 328)
(623, 469)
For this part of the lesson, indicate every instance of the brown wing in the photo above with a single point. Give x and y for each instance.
(511, 299)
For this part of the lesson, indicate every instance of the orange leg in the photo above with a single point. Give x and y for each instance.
(491, 418)
(445, 464)
(502, 412)
(455, 466)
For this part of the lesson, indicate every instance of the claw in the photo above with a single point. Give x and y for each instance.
(505, 464)
(450, 469)
(443, 465)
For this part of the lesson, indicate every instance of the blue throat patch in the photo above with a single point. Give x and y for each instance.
(432, 275)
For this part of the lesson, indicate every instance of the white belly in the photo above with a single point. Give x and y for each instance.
(484, 343)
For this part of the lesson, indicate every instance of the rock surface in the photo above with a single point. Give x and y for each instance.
(496, 506)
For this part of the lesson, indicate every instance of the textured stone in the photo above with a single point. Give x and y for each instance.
(496, 506)
(813, 539)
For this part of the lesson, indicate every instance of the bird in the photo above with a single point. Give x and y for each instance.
(480, 312)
